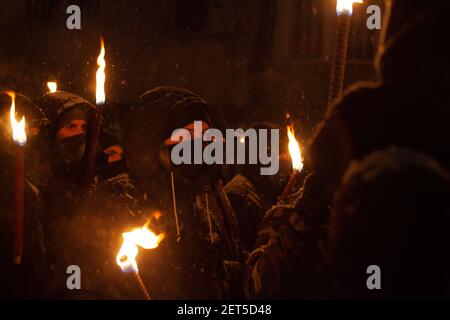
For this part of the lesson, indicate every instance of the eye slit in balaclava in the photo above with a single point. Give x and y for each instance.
(187, 171)
(111, 162)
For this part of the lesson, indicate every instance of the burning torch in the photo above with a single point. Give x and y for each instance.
(18, 201)
(126, 258)
(296, 158)
(100, 99)
(52, 86)
(344, 10)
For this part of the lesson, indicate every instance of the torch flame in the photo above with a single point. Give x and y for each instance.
(100, 75)
(346, 6)
(294, 149)
(142, 237)
(52, 86)
(18, 128)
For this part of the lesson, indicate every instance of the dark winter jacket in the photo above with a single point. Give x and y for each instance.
(249, 208)
(63, 186)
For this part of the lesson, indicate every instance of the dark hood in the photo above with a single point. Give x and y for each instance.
(414, 51)
(153, 119)
(57, 104)
(66, 154)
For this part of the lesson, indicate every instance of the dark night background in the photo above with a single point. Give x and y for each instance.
(255, 59)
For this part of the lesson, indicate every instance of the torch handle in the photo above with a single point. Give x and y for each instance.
(339, 59)
(292, 184)
(93, 143)
(19, 202)
(142, 287)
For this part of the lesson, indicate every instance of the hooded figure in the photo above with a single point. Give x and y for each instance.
(29, 279)
(392, 211)
(198, 257)
(69, 117)
(408, 107)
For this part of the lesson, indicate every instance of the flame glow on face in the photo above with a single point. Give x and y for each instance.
(100, 76)
(18, 128)
(139, 237)
(294, 150)
(52, 86)
(346, 6)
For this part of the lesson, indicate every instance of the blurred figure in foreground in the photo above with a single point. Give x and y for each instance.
(392, 211)
(414, 70)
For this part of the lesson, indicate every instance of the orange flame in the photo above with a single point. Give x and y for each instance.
(294, 149)
(139, 237)
(346, 6)
(18, 128)
(100, 76)
(52, 86)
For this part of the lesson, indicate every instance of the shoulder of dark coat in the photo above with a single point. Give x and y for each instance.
(358, 102)
(358, 98)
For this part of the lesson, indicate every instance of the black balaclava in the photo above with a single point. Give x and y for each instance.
(192, 110)
(71, 150)
(62, 107)
(151, 122)
(107, 169)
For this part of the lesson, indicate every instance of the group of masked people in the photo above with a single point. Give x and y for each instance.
(374, 192)
(69, 223)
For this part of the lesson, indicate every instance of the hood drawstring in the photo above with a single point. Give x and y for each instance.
(209, 217)
(174, 199)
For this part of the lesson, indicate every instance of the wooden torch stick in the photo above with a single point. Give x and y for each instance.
(339, 59)
(93, 144)
(141, 285)
(292, 185)
(19, 201)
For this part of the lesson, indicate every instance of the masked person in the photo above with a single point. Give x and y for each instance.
(69, 117)
(199, 255)
(370, 117)
(252, 194)
(27, 280)
(110, 160)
